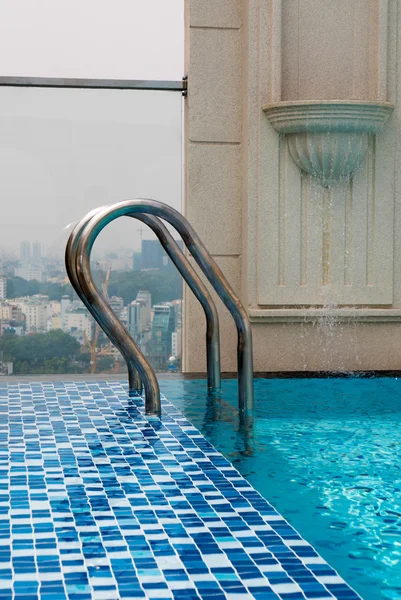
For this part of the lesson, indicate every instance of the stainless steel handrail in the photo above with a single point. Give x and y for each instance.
(200, 292)
(134, 381)
(208, 266)
(188, 273)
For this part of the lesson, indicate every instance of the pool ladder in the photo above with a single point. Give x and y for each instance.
(150, 212)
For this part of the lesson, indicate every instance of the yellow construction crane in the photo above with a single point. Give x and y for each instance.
(92, 345)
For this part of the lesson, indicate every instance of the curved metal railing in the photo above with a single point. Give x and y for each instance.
(200, 292)
(87, 237)
(134, 381)
(188, 273)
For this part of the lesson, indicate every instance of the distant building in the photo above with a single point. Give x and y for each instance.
(11, 326)
(25, 253)
(153, 256)
(78, 323)
(113, 262)
(137, 261)
(124, 316)
(3, 288)
(163, 325)
(64, 304)
(152, 252)
(55, 307)
(30, 272)
(139, 319)
(4, 325)
(30, 264)
(36, 316)
(36, 310)
(54, 322)
(117, 305)
(36, 253)
(176, 343)
(10, 312)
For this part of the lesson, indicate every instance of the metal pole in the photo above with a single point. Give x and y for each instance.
(134, 381)
(204, 260)
(200, 292)
(119, 84)
(115, 330)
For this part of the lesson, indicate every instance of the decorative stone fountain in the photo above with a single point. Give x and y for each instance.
(328, 139)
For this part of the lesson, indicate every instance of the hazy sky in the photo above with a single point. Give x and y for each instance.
(133, 39)
(63, 152)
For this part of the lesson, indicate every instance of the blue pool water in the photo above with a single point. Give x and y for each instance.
(327, 454)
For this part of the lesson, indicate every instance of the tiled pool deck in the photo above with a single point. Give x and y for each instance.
(99, 502)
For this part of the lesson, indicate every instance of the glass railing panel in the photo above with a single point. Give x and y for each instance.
(64, 152)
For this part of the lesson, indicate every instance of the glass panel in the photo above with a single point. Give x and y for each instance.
(62, 153)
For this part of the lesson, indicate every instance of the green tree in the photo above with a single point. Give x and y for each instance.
(104, 364)
(52, 352)
(163, 287)
(17, 287)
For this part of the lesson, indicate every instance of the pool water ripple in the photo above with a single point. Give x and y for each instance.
(327, 454)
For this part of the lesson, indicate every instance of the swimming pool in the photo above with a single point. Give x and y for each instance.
(99, 501)
(327, 454)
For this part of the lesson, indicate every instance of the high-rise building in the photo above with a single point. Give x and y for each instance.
(139, 319)
(137, 261)
(25, 253)
(163, 326)
(64, 304)
(176, 343)
(36, 253)
(3, 288)
(153, 256)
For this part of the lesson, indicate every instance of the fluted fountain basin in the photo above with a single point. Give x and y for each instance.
(328, 139)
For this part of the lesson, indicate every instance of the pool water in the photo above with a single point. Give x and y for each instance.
(327, 454)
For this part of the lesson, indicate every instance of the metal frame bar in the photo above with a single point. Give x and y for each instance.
(209, 268)
(119, 84)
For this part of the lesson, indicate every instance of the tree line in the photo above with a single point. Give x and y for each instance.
(51, 352)
(126, 284)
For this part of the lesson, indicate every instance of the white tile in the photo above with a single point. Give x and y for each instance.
(216, 560)
(286, 588)
(329, 579)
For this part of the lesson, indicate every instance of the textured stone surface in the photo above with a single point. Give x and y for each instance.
(195, 324)
(214, 196)
(215, 101)
(327, 345)
(215, 13)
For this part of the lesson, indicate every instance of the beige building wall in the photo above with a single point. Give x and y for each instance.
(317, 269)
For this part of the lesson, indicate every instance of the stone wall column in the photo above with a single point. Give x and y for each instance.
(314, 251)
(213, 135)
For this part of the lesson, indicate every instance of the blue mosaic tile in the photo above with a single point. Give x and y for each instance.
(99, 502)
